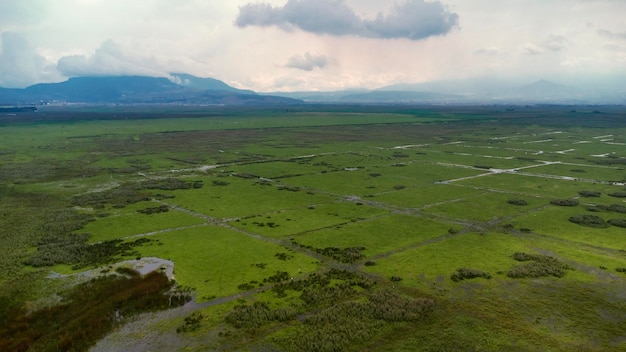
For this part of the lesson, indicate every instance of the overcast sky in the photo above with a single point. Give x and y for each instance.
(289, 45)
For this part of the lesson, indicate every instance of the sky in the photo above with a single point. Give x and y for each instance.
(313, 45)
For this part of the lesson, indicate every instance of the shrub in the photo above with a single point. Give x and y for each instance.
(466, 273)
(616, 208)
(589, 193)
(565, 202)
(191, 323)
(257, 315)
(588, 220)
(535, 269)
(618, 194)
(517, 202)
(154, 210)
(618, 222)
(539, 266)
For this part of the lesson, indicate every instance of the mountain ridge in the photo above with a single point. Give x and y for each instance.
(137, 90)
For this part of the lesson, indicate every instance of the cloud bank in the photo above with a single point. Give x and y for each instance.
(411, 19)
(110, 59)
(20, 64)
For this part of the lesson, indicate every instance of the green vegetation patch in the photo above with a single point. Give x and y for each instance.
(539, 266)
(244, 197)
(123, 223)
(313, 217)
(493, 206)
(529, 186)
(214, 260)
(468, 273)
(427, 266)
(553, 221)
(380, 235)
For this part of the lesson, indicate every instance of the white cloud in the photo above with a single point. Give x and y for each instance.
(20, 64)
(110, 59)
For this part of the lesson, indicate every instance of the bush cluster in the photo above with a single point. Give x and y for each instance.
(132, 192)
(317, 281)
(565, 202)
(618, 194)
(255, 315)
(467, 273)
(170, 184)
(154, 210)
(191, 323)
(589, 194)
(517, 202)
(73, 249)
(618, 222)
(588, 220)
(347, 323)
(344, 255)
(539, 266)
(616, 208)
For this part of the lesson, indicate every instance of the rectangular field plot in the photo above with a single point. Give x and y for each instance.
(215, 260)
(297, 221)
(531, 186)
(347, 182)
(237, 197)
(379, 235)
(423, 196)
(276, 169)
(132, 223)
(554, 222)
(487, 206)
(418, 267)
(480, 159)
(585, 172)
(375, 180)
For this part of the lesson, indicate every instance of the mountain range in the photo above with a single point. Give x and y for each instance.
(472, 91)
(181, 88)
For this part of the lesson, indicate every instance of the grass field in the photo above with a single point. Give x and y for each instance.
(327, 228)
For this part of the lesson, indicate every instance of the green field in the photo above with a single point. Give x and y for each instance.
(328, 228)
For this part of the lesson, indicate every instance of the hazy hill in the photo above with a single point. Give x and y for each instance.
(494, 90)
(373, 97)
(190, 81)
(137, 90)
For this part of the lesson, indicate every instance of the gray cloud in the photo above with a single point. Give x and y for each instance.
(555, 43)
(487, 52)
(109, 59)
(411, 19)
(612, 35)
(20, 64)
(308, 62)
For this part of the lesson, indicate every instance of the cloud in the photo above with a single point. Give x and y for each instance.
(555, 43)
(20, 64)
(110, 59)
(491, 51)
(308, 62)
(611, 35)
(531, 49)
(411, 19)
